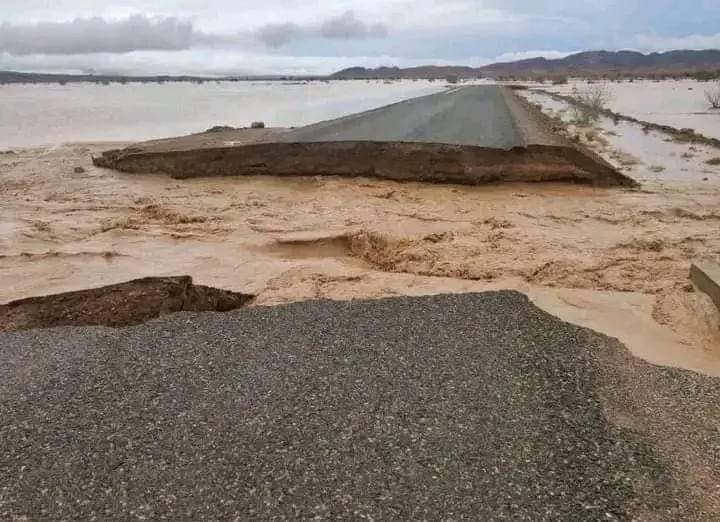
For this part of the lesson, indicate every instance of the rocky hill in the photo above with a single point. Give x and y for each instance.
(591, 62)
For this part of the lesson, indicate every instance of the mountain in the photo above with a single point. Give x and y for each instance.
(428, 71)
(591, 62)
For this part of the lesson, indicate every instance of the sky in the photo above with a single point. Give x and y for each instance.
(222, 37)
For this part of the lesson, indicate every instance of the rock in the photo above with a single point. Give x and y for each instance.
(79, 170)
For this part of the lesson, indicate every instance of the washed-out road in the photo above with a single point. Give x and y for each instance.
(476, 406)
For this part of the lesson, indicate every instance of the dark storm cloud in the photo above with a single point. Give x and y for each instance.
(343, 27)
(277, 35)
(96, 35)
(348, 27)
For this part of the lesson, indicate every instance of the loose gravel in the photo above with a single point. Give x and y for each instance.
(475, 406)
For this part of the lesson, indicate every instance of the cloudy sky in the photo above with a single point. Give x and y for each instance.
(321, 36)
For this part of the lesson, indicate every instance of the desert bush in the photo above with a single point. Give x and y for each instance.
(590, 102)
(713, 96)
(257, 125)
(560, 80)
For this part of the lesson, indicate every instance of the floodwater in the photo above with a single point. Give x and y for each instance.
(49, 114)
(644, 155)
(680, 104)
(615, 260)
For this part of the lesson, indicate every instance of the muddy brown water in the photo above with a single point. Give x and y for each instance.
(614, 260)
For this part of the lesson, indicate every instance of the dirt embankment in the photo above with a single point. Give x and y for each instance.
(118, 305)
(438, 163)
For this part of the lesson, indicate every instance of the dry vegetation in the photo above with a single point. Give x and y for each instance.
(713, 96)
(591, 101)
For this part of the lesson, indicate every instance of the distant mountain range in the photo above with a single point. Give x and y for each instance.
(705, 64)
(591, 62)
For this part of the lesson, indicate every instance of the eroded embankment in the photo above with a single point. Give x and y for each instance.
(429, 162)
(118, 305)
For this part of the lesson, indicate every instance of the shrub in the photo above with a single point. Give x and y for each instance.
(591, 101)
(713, 96)
(257, 125)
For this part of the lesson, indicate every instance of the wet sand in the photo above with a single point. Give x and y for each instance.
(615, 260)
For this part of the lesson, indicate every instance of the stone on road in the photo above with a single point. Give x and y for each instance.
(476, 406)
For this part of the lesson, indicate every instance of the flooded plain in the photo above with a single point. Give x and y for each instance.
(49, 114)
(646, 155)
(615, 260)
(677, 103)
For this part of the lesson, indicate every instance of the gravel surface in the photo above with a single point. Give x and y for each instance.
(475, 406)
(476, 115)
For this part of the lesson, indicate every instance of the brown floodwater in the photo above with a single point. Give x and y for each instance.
(615, 260)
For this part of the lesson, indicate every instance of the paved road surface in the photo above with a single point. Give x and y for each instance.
(474, 115)
(471, 406)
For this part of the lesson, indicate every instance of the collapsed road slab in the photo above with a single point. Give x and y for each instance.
(706, 277)
(470, 135)
(120, 304)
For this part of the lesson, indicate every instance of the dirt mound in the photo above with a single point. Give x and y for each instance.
(118, 305)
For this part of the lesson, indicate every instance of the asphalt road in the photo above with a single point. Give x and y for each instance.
(475, 406)
(473, 115)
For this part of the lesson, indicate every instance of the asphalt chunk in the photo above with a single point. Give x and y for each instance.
(473, 406)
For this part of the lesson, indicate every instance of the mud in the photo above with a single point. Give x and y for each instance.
(122, 304)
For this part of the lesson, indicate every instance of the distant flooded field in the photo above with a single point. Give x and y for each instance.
(680, 103)
(48, 114)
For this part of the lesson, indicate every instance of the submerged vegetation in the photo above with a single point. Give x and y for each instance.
(590, 102)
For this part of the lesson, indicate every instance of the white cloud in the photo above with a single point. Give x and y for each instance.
(647, 42)
(96, 35)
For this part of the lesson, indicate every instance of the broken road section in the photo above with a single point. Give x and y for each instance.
(472, 135)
